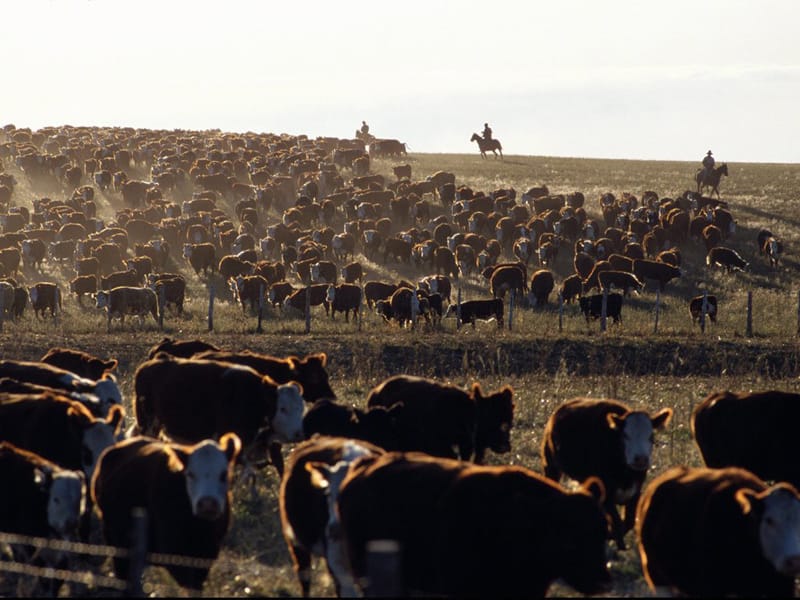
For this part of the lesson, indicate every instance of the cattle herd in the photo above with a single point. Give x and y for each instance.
(407, 469)
(293, 223)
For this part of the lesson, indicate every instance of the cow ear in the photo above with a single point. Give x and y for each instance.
(231, 445)
(109, 376)
(476, 390)
(110, 364)
(662, 418)
(595, 488)
(42, 477)
(614, 420)
(320, 474)
(177, 458)
(320, 356)
(749, 500)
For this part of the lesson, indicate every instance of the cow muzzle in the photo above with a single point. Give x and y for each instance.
(208, 508)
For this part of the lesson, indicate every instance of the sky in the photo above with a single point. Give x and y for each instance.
(580, 78)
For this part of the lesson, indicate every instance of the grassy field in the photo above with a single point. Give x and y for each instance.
(675, 366)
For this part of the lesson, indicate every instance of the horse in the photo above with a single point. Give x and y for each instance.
(712, 180)
(487, 145)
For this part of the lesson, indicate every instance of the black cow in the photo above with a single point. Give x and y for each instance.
(592, 307)
(473, 310)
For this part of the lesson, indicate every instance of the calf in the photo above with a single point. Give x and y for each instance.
(378, 290)
(202, 256)
(128, 300)
(352, 272)
(308, 526)
(279, 291)
(696, 307)
(83, 284)
(592, 307)
(448, 540)
(185, 491)
(45, 296)
(743, 534)
(542, 283)
(621, 280)
(172, 290)
(727, 258)
(181, 348)
(190, 400)
(474, 310)
(571, 288)
(79, 362)
(585, 437)
(443, 416)
(344, 298)
(315, 294)
(663, 273)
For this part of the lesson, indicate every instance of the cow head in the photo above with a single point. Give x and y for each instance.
(207, 467)
(636, 431)
(97, 434)
(776, 514)
(287, 422)
(101, 299)
(66, 498)
(495, 418)
(310, 372)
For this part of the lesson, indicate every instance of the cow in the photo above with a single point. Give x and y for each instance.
(170, 291)
(352, 272)
(696, 307)
(772, 248)
(542, 283)
(474, 310)
(127, 300)
(449, 541)
(61, 250)
(437, 284)
(592, 307)
(306, 521)
(378, 425)
(231, 265)
(441, 417)
(402, 172)
(316, 295)
(507, 278)
(607, 439)
(105, 389)
(201, 256)
(278, 292)
(719, 533)
(181, 348)
(399, 249)
(185, 492)
(621, 280)
(722, 256)
(79, 362)
(128, 277)
(407, 306)
(378, 290)
(324, 271)
(646, 269)
(249, 289)
(34, 252)
(191, 399)
(571, 288)
(344, 298)
(45, 296)
(83, 284)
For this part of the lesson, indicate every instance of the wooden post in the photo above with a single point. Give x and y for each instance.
(703, 311)
(162, 301)
(211, 292)
(360, 306)
(458, 308)
(260, 307)
(604, 311)
(658, 310)
(308, 308)
(3, 310)
(384, 576)
(560, 312)
(414, 306)
(749, 332)
(137, 551)
(511, 308)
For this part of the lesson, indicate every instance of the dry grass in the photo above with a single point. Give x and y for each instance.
(677, 366)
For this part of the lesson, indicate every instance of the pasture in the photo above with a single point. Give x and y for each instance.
(673, 364)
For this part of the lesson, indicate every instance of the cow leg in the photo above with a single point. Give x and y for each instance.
(302, 567)
(617, 527)
(276, 457)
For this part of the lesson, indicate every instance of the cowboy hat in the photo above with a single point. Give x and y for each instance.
(709, 152)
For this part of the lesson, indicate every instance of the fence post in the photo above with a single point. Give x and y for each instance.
(137, 552)
(658, 310)
(749, 331)
(703, 311)
(211, 307)
(511, 309)
(260, 307)
(162, 301)
(458, 308)
(3, 310)
(384, 578)
(360, 305)
(414, 306)
(603, 311)
(560, 312)
(798, 313)
(308, 308)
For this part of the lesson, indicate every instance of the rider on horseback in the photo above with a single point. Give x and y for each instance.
(364, 129)
(487, 132)
(708, 166)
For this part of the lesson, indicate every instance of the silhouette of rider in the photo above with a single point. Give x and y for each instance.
(487, 132)
(708, 166)
(364, 129)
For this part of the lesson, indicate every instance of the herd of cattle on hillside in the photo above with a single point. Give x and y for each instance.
(410, 466)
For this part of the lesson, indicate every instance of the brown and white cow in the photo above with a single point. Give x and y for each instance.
(719, 533)
(523, 534)
(128, 300)
(446, 420)
(508, 278)
(192, 399)
(696, 307)
(83, 284)
(185, 491)
(542, 283)
(585, 437)
(307, 521)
